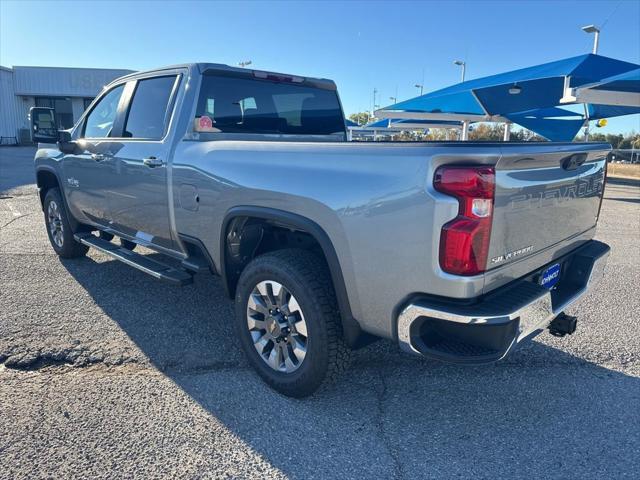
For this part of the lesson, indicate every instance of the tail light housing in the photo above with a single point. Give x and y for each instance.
(464, 241)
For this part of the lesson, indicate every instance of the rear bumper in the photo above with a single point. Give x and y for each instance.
(486, 329)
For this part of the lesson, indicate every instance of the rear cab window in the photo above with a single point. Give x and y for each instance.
(234, 104)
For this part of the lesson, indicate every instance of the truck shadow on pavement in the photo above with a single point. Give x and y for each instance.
(542, 412)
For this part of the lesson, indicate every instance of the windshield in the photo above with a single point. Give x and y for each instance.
(247, 105)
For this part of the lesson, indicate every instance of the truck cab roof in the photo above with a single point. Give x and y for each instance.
(206, 67)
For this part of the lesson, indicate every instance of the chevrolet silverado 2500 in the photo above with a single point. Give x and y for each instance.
(456, 250)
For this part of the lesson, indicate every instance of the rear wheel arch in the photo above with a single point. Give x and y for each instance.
(252, 222)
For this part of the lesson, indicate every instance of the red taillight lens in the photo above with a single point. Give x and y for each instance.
(464, 241)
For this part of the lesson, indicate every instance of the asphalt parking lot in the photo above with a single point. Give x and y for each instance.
(105, 372)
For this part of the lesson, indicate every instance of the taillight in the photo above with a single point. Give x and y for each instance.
(464, 241)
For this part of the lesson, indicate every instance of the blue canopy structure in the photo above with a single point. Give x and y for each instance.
(607, 111)
(520, 90)
(625, 82)
(555, 124)
(621, 91)
(392, 125)
(350, 123)
(408, 123)
(516, 96)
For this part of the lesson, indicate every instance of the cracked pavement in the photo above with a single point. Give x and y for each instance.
(105, 372)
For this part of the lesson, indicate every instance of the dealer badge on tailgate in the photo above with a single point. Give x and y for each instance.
(550, 276)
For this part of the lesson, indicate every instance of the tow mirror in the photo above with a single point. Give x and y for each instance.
(43, 125)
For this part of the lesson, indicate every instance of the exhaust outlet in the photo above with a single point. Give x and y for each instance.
(563, 325)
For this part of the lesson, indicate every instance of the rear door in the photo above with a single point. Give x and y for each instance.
(139, 198)
(545, 195)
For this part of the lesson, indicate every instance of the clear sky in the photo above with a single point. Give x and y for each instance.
(361, 45)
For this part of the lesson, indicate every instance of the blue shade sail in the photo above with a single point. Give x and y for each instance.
(555, 124)
(520, 90)
(625, 82)
(397, 122)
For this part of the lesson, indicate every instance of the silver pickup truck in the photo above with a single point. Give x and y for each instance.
(456, 250)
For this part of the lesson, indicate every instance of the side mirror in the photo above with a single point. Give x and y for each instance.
(64, 136)
(65, 143)
(44, 130)
(43, 125)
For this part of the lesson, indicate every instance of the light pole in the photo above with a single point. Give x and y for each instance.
(420, 87)
(244, 64)
(373, 109)
(393, 99)
(462, 64)
(596, 38)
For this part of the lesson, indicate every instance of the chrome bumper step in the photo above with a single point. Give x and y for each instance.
(161, 271)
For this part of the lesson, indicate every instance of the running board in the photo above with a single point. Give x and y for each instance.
(143, 263)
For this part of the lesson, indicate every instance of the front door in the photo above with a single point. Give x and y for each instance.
(138, 199)
(88, 172)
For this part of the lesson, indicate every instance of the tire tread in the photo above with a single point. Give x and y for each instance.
(312, 273)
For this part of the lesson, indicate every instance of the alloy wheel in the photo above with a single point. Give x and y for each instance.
(56, 228)
(277, 326)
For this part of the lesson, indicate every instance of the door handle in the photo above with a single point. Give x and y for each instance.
(153, 162)
(98, 157)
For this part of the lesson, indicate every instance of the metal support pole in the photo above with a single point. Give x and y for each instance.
(349, 135)
(507, 132)
(465, 131)
(586, 117)
(596, 39)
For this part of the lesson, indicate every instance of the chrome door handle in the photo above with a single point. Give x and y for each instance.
(98, 157)
(153, 162)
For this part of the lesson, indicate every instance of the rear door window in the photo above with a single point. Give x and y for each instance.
(251, 105)
(149, 109)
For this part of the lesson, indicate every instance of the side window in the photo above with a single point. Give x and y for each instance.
(100, 121)
(148, 110)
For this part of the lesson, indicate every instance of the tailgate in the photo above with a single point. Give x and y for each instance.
(545, 194)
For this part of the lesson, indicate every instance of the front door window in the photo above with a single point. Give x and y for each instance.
(100, 121)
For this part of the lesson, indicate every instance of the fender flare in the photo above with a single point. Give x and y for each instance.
(351, 328)
(75, 225)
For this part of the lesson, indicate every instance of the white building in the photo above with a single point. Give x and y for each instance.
(67, 90)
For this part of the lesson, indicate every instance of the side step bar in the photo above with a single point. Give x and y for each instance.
(156, 269)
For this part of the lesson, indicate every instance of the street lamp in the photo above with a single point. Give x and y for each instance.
(393, 99)
(596, 38)
(245, 63)
(462, 64)
(420, 86)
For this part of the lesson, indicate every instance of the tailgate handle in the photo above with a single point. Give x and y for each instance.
(573, 161)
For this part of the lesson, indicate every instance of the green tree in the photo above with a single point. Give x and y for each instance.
(361, 118)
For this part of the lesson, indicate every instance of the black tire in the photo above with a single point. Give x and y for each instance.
(56, 214)
(129, 245)
(307, 279)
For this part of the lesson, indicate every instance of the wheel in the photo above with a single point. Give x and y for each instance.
(106, 236)
(58, 227)
(288, 323)
(127, 244)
